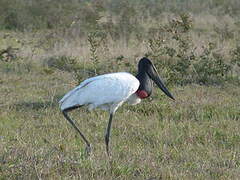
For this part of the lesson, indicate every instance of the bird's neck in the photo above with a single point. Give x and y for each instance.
(145, 87)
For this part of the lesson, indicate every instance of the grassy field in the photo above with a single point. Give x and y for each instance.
(45, 53)
(194, 137)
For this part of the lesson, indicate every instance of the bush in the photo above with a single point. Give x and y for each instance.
(179, 62)
(210, 67)
(63, 63)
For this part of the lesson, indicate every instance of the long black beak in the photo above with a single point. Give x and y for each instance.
(153, 74)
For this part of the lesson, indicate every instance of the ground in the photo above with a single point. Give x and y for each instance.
(194, 137)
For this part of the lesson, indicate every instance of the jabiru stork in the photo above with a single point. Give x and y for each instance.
(110, 91)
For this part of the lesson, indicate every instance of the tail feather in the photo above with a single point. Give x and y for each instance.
(69, 100)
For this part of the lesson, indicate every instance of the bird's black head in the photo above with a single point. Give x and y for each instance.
(144, 64)
(147, 71)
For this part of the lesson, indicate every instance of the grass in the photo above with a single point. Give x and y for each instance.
(194, 137)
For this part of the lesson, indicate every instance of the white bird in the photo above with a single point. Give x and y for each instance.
(110, 91)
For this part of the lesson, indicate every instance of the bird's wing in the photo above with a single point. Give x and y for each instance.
(99, 90)
(81, 85)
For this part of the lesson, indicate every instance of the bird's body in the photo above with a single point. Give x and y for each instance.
(110, 91)
(106, 91)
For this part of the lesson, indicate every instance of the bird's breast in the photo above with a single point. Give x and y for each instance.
(142, 94)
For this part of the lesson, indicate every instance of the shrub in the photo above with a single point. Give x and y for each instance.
(96, 39)
(8, 54)
(63, 63)
(179, 62)
(210, 67)
(176, 59)
(235, 54)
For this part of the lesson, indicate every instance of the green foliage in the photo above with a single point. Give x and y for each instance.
(210, 67)
(63, 63)
(9, 47)
(19, 15)
(176, 60)
(181, 62)
(172, 50)
(80, 70)
(8, 54)
(236, 56)
(18, 67)
(96, 39)
(129, 15)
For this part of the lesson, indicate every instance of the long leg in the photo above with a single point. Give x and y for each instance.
(108, 133)
(88, 148)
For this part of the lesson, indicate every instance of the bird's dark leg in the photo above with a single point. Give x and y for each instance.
(88, 148)
(108, 133)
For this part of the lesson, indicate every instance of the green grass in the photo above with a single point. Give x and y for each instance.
(194, 137)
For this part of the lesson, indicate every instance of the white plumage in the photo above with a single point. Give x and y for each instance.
(110, 91)
(107, 92)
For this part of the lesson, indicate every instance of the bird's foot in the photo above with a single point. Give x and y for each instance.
(108, 153)
(88, 150)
